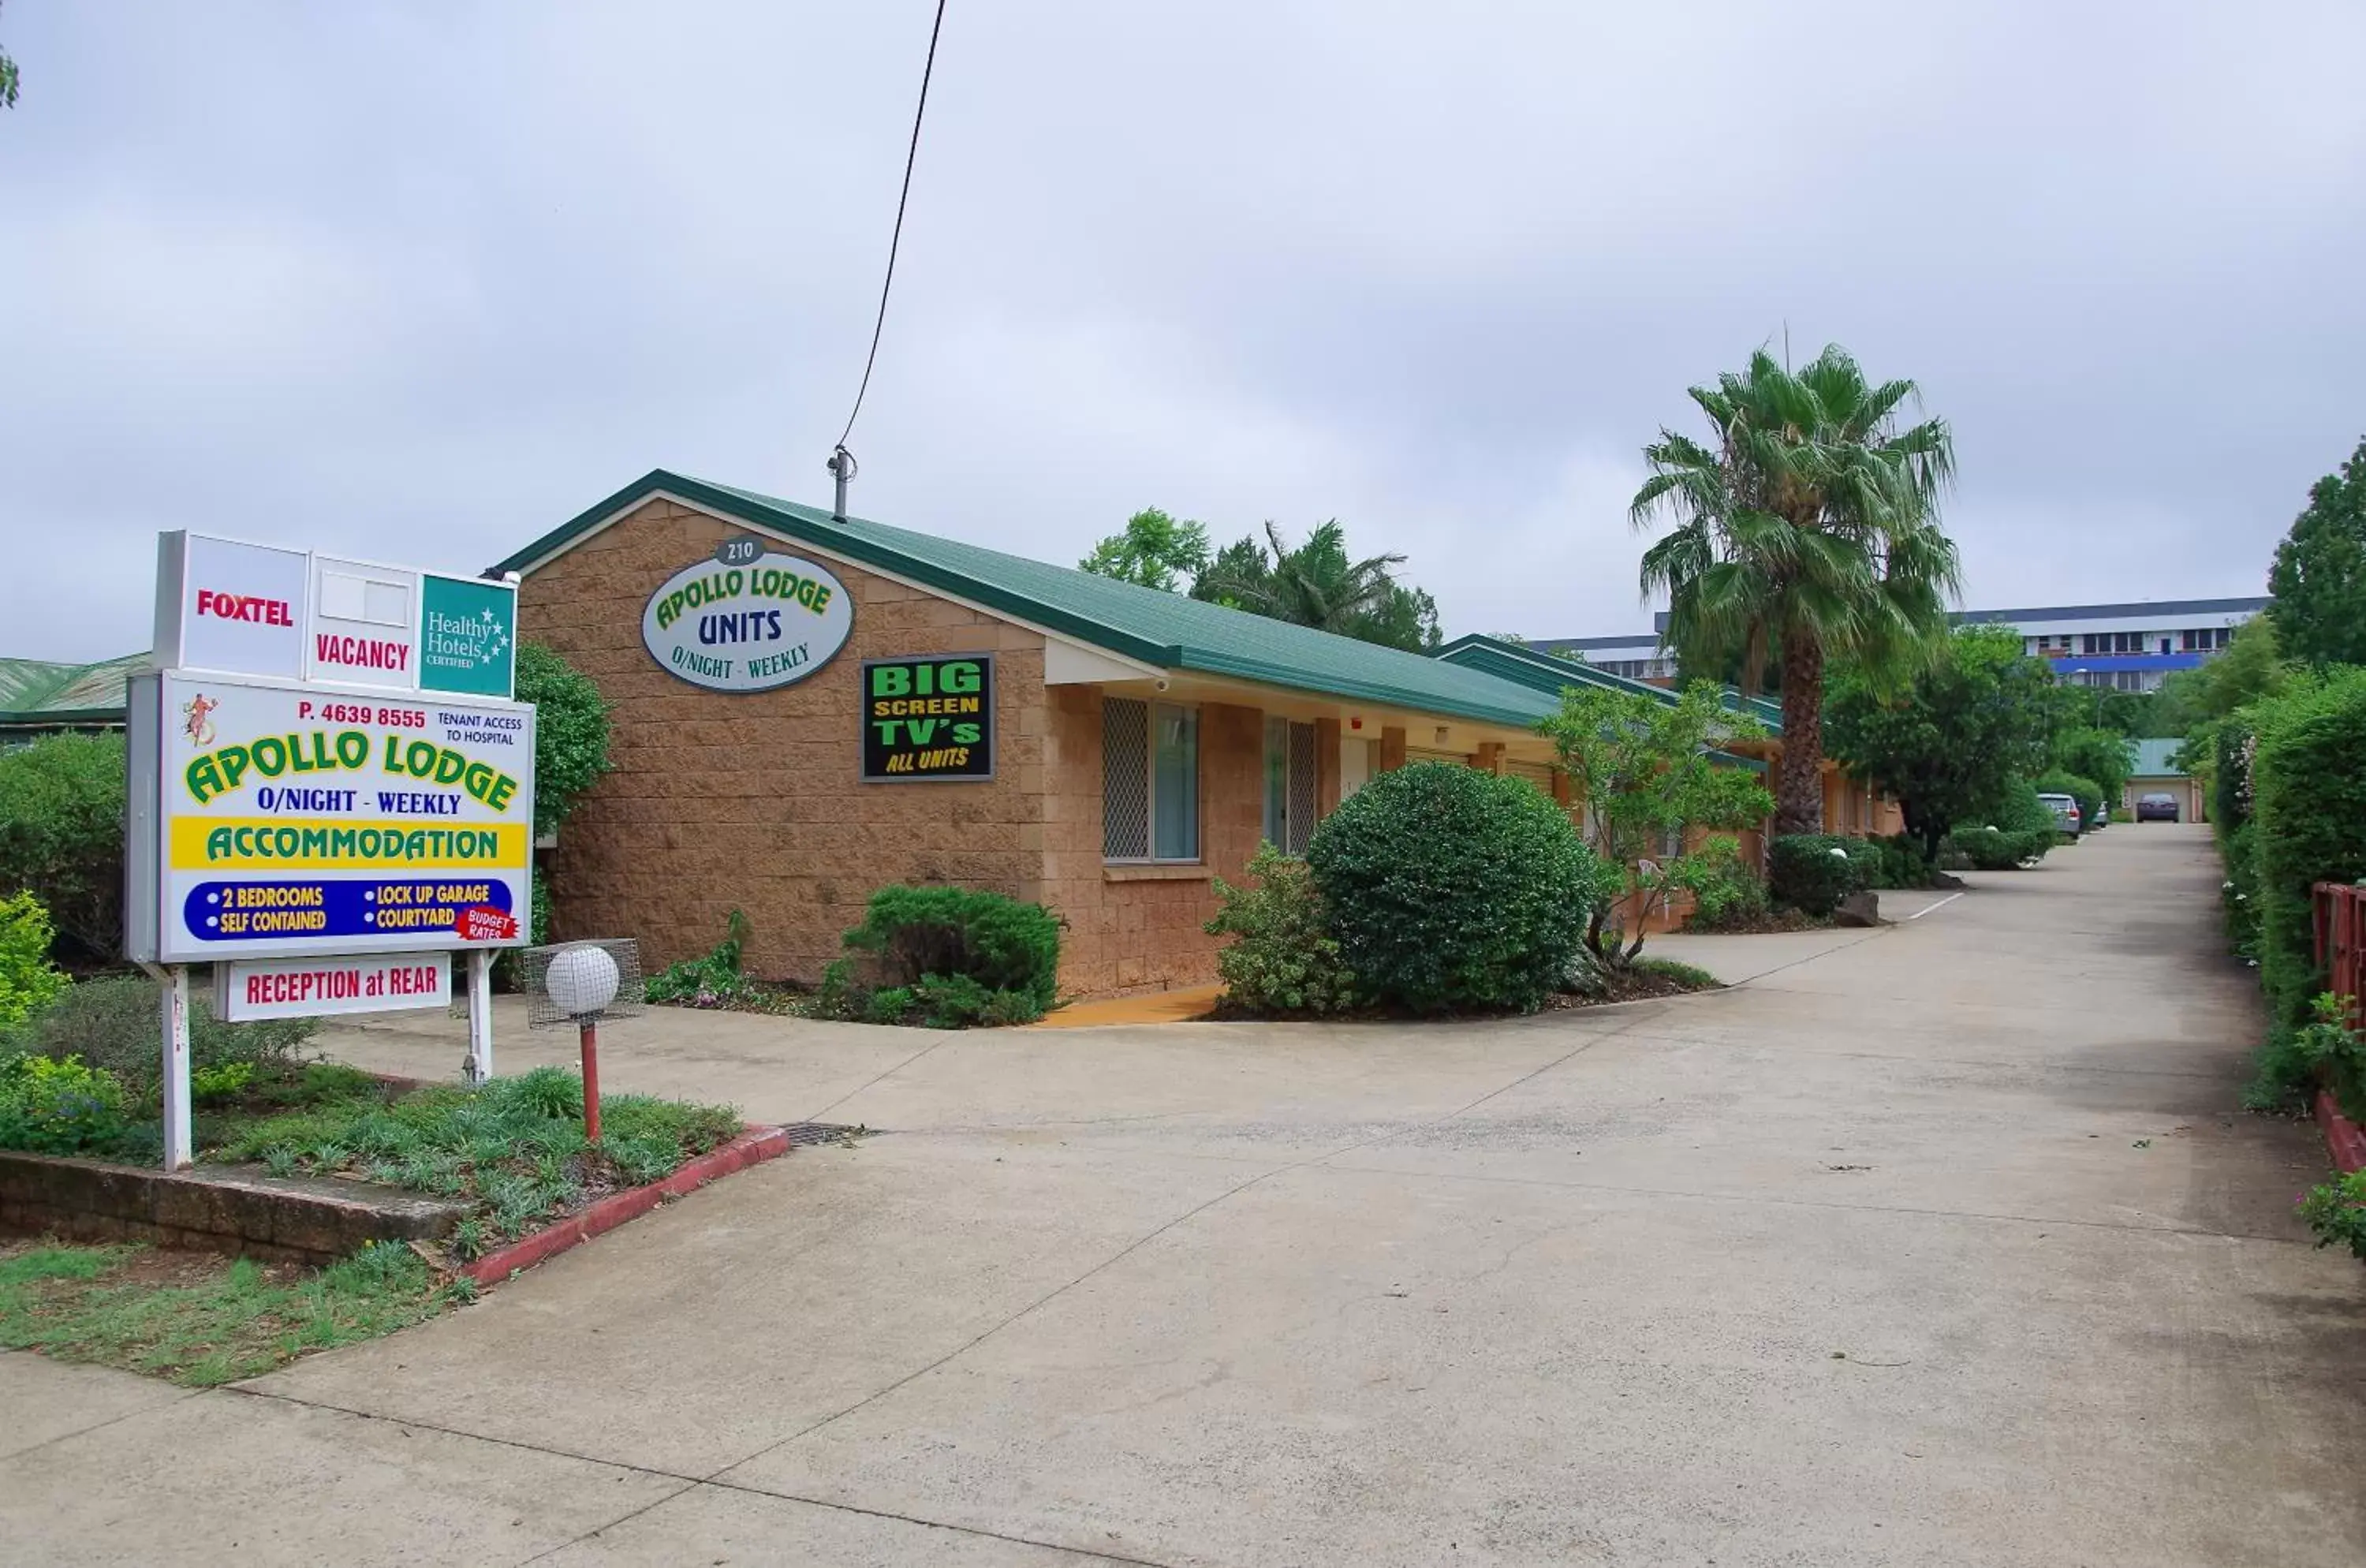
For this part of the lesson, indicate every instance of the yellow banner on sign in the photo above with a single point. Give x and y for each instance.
(283, 843)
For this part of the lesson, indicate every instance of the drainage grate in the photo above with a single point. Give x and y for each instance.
(804, 1133)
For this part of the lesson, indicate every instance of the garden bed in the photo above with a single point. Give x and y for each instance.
(513, 1152)
(1647, 978)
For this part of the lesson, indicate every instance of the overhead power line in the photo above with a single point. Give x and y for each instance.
(841, 462)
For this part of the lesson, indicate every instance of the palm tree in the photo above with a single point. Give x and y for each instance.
(1316, 585)
(1806, 533)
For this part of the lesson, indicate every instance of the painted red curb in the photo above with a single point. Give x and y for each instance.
(751, 1147)
(2344, 1137)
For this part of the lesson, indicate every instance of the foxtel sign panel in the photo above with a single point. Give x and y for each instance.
(290, 819)
(244, 609)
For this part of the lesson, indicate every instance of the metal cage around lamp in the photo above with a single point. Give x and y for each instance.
(544, 1011)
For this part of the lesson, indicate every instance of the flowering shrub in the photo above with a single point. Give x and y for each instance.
(2336, 1211)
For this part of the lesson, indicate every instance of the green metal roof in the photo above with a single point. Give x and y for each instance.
(2156, 759)
(35, 692)
(1169, 630)
(1544, 672)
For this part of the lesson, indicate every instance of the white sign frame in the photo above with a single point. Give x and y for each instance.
(161, 931)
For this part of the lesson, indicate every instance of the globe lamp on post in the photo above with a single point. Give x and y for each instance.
(581, 981)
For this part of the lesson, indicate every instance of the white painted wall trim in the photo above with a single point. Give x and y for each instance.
(1069, 663)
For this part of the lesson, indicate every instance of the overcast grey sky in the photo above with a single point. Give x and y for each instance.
(423, 280)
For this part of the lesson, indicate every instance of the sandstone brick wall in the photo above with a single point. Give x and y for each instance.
(1139, 928)
(755, 801)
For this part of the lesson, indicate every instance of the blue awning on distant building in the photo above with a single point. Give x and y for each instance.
(2103, 663)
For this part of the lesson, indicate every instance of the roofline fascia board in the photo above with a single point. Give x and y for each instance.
(1212, 663)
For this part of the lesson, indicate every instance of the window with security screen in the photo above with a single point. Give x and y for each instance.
(1125, 779)
(1150, 781)
(1289, 784)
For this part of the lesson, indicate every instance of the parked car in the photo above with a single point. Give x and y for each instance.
(2066, 811)
(2157, 807)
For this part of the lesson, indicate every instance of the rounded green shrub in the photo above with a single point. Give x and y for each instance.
(1449, 888)
(1811, 872)
(960, 956)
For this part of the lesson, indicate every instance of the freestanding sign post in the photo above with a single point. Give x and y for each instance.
(329, 791)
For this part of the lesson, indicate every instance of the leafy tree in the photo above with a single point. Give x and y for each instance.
(1317, 585)
(2319, 576)
(1947, 744)
(7, 81)
(1804, 534)
(2103, 756)
(2251, 667)
(2134, 715)
(571, 732)
(1645, 768)
(1155, 551)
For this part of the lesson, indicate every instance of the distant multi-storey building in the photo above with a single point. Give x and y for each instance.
(2126, 648)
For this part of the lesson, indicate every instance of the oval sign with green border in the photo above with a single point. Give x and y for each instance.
(748, 628)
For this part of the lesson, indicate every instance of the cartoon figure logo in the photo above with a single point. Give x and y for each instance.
(199, 724)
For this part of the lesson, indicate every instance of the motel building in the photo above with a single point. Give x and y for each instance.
(807, 708)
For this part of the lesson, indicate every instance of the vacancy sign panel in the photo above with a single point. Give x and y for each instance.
(364, 629)
(227, 606)
(313, 988)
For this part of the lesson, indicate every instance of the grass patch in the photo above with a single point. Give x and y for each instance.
(513, 1150)
(1691, 976)
(200, 1320)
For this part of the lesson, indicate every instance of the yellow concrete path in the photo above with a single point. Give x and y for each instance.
(1153, 1007)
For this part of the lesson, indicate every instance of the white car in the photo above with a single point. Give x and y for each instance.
(2066, 811)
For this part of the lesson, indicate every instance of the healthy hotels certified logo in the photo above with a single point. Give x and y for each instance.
(467, 637)
(748, 628)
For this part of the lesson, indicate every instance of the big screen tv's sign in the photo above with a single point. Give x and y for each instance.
(292, 820)
(928, 717)
(747, 621)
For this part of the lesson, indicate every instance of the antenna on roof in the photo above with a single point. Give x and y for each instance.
(842, 467)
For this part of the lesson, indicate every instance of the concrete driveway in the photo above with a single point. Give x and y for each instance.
(1939, 1243)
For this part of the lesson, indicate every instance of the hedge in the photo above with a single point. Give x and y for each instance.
(2308, 818)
